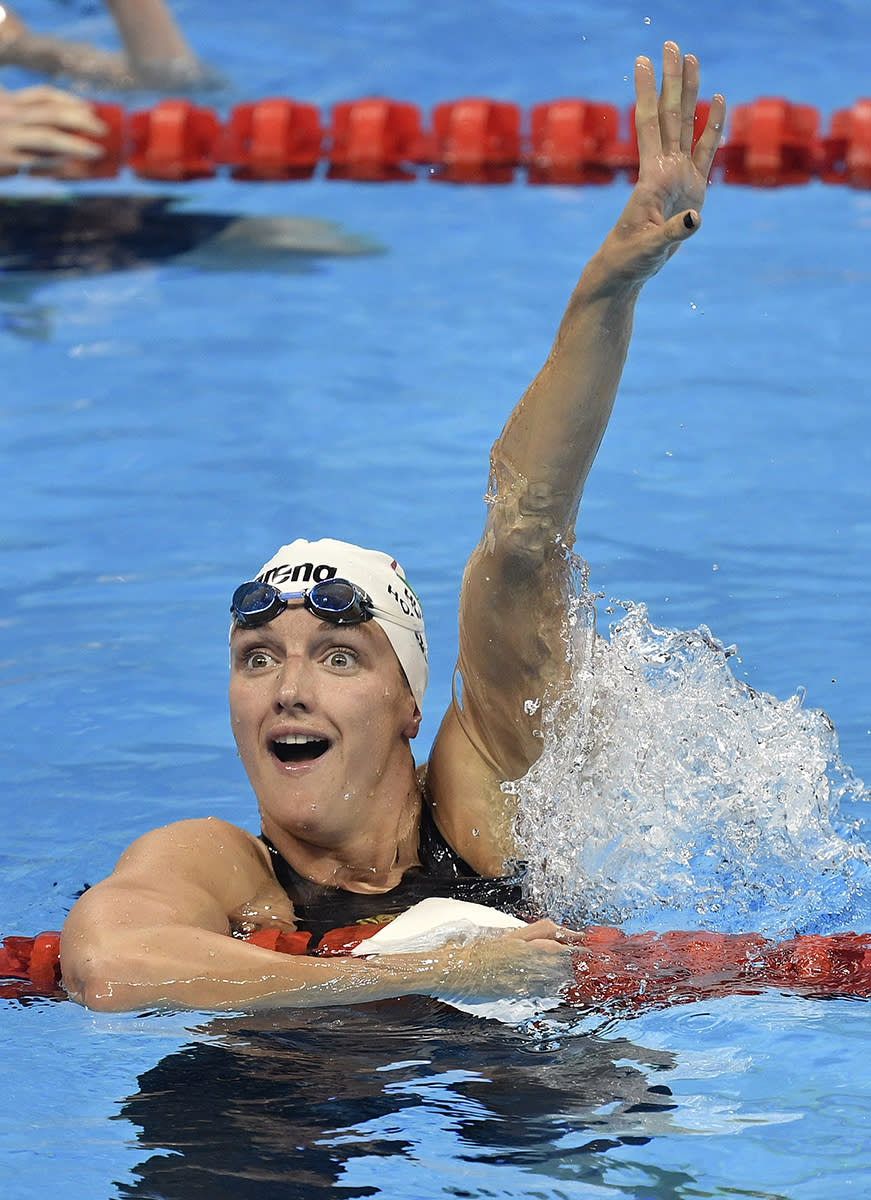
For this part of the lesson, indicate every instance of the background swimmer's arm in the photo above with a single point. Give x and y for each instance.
(156, 53)
(156, 47)
(512, 606)
(156, 934)
(49, 55)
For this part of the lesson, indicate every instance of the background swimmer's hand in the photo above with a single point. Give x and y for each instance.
(44, 127)
(664, 207)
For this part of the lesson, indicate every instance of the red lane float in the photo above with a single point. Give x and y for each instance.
(173, 141)
(846, 151)
(372, 139)
(614, 972)
(769, 143)
(272, 139)
(617, 972)
(474, 141)
(574, 141)
(30, 966)
(772, 142)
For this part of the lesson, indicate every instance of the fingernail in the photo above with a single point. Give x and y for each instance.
(688, 221)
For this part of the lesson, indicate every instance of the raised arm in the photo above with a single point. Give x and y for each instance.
(513, 601)
(552, 436)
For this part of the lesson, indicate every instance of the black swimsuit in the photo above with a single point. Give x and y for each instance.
(442, 872)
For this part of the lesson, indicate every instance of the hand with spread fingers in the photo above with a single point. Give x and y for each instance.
(44, 128)
(664, 207)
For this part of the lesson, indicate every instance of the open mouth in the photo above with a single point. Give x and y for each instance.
(299, 748)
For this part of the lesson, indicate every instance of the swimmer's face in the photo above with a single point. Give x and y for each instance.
(322, 716)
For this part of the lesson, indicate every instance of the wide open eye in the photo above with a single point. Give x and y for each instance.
(258, 660)
(341, 659)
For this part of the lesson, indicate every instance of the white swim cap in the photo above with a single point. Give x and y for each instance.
(301, 564)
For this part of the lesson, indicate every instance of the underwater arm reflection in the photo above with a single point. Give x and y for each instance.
(516, 583)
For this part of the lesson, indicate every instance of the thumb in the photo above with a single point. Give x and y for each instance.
(682, 225)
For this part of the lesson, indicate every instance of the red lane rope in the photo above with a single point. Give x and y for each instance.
(614, 972)
(770, 142)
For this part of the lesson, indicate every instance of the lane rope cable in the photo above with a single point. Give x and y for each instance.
(770, 142)
(614, 972)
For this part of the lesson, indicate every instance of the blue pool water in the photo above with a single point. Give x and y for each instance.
(164, 427)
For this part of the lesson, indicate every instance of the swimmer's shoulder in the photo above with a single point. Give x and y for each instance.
(204, 847)
(193, 874)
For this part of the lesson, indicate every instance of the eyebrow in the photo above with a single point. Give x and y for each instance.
(261, 633)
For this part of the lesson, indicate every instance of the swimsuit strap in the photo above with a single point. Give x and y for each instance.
(436, 856)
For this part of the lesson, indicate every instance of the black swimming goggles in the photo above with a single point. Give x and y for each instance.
(335, 600)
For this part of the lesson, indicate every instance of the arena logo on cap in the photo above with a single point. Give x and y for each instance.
(300, 573)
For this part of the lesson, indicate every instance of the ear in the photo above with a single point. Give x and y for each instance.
(413, 725)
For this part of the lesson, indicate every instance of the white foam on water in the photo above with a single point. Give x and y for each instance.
(671, 794)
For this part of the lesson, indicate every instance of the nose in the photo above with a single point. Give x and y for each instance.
(295, 691)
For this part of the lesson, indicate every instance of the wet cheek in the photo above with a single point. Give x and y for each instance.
(243, 726)
(245, 700)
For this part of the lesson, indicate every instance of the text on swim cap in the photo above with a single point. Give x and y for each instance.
(298, 573)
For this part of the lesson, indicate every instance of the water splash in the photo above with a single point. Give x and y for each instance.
(670, 794)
